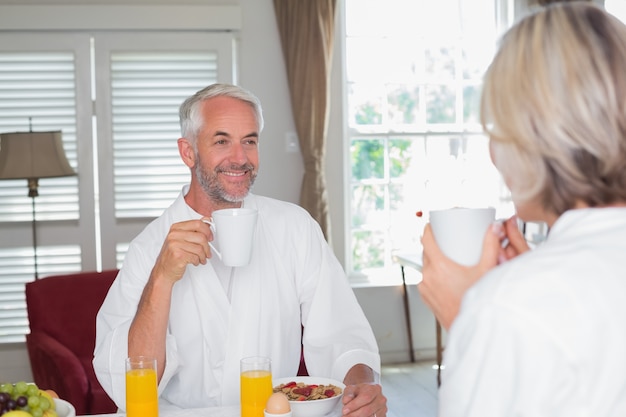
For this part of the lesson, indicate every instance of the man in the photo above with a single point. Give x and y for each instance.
(174, 301)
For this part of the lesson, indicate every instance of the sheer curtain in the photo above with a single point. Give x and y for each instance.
(306, 30)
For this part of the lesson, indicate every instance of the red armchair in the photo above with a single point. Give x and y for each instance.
(62, 314)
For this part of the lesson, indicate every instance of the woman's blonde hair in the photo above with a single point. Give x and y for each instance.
(554, 106)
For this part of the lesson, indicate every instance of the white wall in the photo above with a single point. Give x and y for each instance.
(262, 71)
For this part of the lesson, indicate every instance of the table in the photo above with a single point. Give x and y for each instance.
(414, 260)
(231, 411)
(225, 411)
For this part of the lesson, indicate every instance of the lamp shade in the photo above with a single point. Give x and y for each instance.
(33, 155)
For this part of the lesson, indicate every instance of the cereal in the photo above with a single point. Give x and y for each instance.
(305, 392)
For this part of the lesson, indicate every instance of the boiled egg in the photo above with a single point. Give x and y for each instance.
(277, 404)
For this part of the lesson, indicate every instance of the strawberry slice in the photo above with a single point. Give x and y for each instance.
(304, 391)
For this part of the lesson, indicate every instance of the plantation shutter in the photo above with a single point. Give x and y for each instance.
(147, 82)
(119, 136)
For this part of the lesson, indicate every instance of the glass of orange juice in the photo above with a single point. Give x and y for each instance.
(256, 385)
(141, 387)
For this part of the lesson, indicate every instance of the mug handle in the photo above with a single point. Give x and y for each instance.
(212, 226)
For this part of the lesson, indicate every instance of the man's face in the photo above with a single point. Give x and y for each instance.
(226, 150)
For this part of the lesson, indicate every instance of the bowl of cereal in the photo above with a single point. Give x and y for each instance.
(310, 396)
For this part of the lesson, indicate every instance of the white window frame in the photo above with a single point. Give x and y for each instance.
(506, 13)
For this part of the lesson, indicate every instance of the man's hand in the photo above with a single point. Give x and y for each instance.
(362, 397)
(186, 243)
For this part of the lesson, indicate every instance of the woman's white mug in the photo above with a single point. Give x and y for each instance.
(460, 232)
(233, 231)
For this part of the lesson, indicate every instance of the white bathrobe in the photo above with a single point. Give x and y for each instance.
(545, 333)
(293, 279)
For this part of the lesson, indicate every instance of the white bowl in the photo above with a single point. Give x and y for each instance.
(64, 408)
(312, 408)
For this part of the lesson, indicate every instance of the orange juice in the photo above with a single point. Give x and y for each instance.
(256, 388)
(141, 393)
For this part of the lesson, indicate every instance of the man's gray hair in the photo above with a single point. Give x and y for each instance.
(189, 112)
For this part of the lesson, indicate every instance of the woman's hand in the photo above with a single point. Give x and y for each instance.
(444, 281)
(515, 242)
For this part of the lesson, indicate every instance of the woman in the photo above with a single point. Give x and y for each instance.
(542, 332)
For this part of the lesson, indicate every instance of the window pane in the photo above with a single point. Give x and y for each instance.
(366, 104)
(404, 104)
(440, 62)
(471, 104)
(400, 152)
(368, 206)
(367, 159)
(368, 250)
(440, 104)
(404, 226)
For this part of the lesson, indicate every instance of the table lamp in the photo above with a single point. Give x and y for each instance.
(31, 156)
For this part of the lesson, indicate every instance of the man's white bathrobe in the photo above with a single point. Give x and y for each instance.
(293, 279)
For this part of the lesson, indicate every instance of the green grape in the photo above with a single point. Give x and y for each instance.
(37, 413)
(33, 401)
(21, 388)
(8, 388)
(44, 404)
(32, 390)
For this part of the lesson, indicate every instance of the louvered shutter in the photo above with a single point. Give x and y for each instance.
(86, 222)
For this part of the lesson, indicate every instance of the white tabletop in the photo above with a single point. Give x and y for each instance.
(411, 259)
(232, 411)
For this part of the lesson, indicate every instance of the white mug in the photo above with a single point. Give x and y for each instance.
(460, 232)
(233, 230)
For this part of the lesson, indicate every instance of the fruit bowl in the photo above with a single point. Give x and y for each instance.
(313, 408)
(64, 408)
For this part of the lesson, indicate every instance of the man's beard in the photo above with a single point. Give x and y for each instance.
(209, 181)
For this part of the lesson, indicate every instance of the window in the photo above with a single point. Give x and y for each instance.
(617, 8)
(413, 73)
(120, 136)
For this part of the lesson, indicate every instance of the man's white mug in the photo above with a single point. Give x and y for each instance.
(460, 232)
(233, 231)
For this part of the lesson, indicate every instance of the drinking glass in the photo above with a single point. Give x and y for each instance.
(256, 385)
(141, 387)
